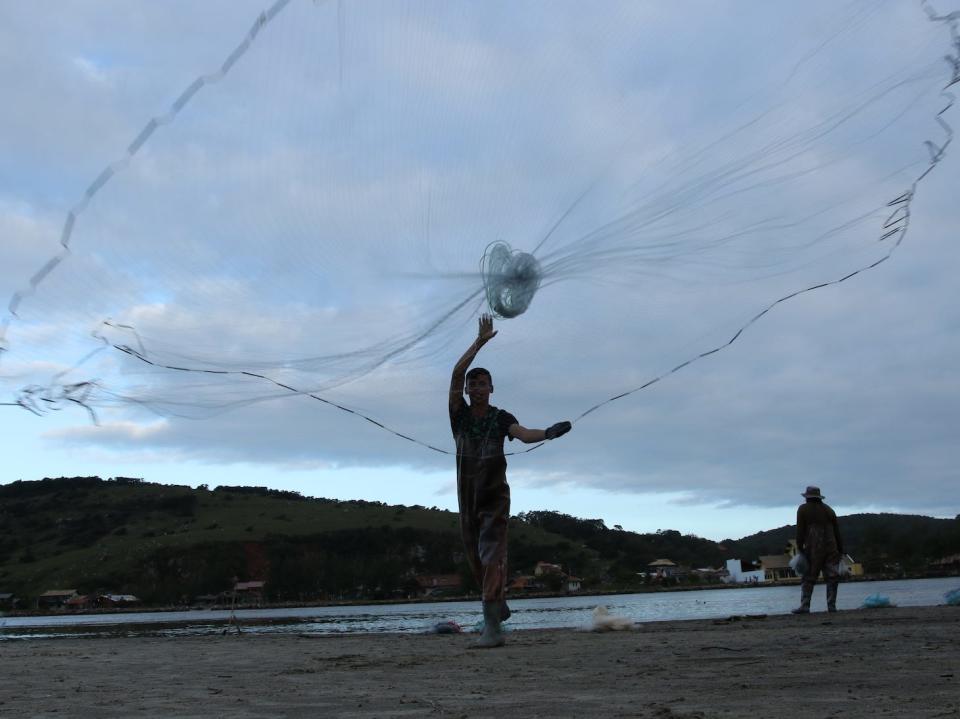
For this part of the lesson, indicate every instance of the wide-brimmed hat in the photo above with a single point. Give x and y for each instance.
(812, 493)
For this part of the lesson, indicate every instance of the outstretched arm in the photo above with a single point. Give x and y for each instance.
(530, 436)
(484, 335)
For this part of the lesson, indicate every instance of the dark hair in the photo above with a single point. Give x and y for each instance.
(477, 372)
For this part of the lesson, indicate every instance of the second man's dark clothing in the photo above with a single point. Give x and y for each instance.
(818, 537)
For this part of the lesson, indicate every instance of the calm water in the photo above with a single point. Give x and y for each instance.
(572, 612)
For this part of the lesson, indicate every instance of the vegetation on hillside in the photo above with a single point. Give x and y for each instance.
(625, 555)
(169, 544)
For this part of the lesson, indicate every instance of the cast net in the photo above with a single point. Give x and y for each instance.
(320, 213)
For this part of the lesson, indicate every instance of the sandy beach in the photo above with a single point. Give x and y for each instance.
(898, 662)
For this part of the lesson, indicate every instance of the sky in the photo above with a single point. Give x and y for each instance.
(318, 215)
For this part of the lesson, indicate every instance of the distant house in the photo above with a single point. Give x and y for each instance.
(546, 568)
(8, 600)
(709, 574)
(435, 585)
(525, 583)
(663, 568)
(776, 567)
(117, 600)
(81, 601)
(55, 598)
(573, 584)
(741, 572)
(854, 569)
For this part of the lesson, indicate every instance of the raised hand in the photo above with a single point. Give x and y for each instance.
(486, 331)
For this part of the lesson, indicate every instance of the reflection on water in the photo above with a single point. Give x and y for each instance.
(570, 612)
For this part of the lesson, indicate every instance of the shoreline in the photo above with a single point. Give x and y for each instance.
(439, 600)
(897, 662)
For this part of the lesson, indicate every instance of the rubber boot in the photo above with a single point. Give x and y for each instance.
(806, 594)
(832, 596)
(492, 633)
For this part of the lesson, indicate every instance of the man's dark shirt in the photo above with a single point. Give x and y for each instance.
(484, 434)
(817, 513)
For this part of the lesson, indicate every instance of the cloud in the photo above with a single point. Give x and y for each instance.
(325, 203)
(92, 71)
(116, 432)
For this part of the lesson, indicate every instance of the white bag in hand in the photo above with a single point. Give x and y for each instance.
(799, 564)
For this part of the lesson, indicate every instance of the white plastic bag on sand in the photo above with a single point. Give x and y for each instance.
(448, 627)
(604, 621)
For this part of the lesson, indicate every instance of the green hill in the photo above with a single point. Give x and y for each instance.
(168, 544)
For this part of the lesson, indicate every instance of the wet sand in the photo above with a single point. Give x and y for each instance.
(899, 662)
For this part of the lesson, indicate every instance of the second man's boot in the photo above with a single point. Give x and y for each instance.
(806, 594)
(832, 596)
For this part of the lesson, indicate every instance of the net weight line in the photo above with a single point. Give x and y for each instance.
(66, 233)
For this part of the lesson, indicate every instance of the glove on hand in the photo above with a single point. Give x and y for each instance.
(557, 430)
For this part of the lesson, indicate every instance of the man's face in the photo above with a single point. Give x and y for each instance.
(479, 389)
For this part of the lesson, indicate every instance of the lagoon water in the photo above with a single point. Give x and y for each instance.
(553, 612)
